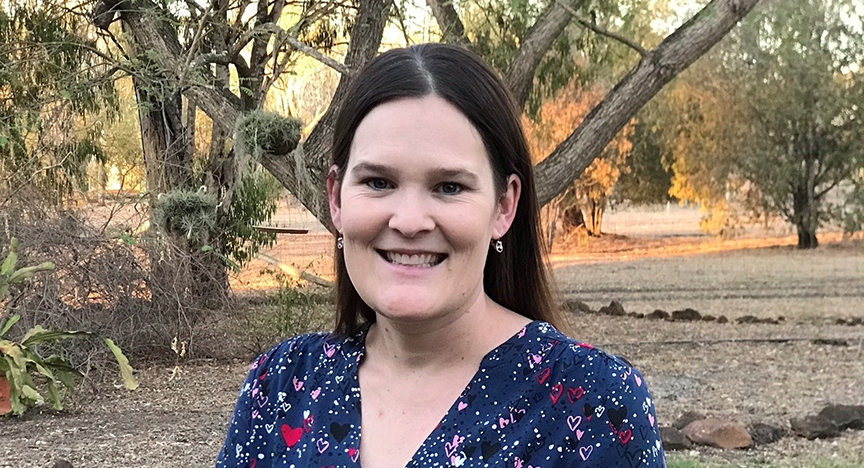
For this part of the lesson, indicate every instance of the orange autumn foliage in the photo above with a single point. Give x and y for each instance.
(555, 121)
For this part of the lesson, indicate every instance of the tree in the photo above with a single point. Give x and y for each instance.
(584, 202)
(193, 72)
(49, 77)
(777, 115)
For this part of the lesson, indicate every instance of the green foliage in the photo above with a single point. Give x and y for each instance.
(498, 28)
(262, 132)
(297, 310)
(648, 179)
(254, 202)
(774, 118)
(11, 275)
(20, 362)
(186, 213)
(291, 311)
(48, 76)
(852, 214)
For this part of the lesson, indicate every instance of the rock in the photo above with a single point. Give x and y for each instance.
(719, 433)
(814, 427)
(614, 308)
(763, 434)
(658, 314)
(855, 321)
(61, 464)
(686, 315)
(708, 318)
(844, 416)
(722, 319)
(747, 319)
(636, 314)
(687, 418)
(575, 305)
(673, 439)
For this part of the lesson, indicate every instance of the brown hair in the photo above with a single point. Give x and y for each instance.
(516, 278)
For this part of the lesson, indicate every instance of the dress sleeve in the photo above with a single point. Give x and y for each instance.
(612, 422)
(242, 428)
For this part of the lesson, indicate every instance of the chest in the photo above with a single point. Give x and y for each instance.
(399, 415)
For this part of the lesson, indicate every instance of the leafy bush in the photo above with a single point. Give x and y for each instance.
(292, 310)
(20, 362)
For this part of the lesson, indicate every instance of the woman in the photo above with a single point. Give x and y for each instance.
(442, 301)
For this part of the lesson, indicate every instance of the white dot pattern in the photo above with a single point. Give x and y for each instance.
(539, 400)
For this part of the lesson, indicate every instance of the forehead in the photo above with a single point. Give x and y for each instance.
(418, 132)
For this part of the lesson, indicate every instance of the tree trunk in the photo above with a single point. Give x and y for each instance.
(805, 209)
(182, 277)
(807, 236)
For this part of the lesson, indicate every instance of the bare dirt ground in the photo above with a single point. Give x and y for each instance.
(181, 421)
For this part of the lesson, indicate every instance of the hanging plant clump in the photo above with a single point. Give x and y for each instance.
(187, 213)
(262, 132)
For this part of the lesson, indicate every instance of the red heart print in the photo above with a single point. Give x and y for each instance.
(291, 435)
(556, 392)
(353, 453)
(574, 394)
(543, 375)
(625, 435)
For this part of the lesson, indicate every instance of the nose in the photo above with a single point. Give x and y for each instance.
(411, 214)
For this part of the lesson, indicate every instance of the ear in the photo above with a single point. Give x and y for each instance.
(333, 196)
(507, 204)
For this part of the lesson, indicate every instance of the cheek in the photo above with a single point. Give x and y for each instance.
(468, 227)
(361, 219)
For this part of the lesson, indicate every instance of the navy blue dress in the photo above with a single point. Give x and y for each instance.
(539, 400)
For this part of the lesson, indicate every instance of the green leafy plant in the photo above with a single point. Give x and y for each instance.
(20, 363)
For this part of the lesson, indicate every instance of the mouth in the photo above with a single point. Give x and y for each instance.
(412, 259)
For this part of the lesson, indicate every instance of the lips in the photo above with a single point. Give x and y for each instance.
(414, 259)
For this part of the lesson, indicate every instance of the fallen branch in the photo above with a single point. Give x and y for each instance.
(292, 271)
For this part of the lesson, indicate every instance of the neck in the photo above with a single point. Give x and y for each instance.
(440, 343)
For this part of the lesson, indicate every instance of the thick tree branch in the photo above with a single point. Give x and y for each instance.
(451, 26)
(549, 25)
(598, 30)
(657, 67)
(304, 171)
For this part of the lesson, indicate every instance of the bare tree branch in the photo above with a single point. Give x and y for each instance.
(654, 70)
(451, 26)
(228, 57)
(597, 29)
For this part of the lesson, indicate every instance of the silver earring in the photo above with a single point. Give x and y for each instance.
(339, 243)
(499, 246)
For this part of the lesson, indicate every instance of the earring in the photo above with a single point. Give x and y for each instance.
(339, 243)
(499, 246)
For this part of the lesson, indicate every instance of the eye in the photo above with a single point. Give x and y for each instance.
(377, 183)
(451, 188)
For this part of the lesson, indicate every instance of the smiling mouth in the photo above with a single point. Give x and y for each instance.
(422, 260)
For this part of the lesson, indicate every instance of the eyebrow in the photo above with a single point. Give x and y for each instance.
(438, 173)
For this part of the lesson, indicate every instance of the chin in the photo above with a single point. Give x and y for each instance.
(405, 308)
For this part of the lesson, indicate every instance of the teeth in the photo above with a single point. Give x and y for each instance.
(424, 260)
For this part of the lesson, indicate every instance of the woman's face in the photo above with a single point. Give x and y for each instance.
(417, 208)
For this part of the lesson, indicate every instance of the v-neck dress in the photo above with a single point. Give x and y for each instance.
(539, 400)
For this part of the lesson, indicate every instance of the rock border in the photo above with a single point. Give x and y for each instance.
(693, 428)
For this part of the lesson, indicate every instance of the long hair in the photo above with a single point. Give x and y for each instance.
(517, 278)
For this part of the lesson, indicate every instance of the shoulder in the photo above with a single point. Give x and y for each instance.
(310, 348)
(601, 405)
